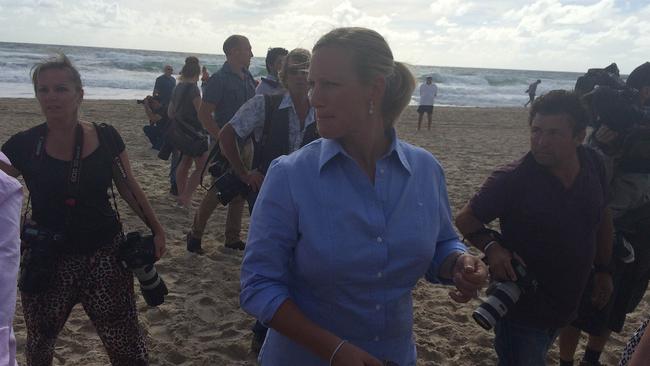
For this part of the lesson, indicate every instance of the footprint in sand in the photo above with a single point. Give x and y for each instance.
(204, 307)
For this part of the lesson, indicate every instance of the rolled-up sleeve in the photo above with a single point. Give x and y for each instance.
(272, 237)
(10, 205)
(447, 242)
(249, 118)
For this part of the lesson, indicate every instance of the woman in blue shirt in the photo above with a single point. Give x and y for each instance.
(343, 228)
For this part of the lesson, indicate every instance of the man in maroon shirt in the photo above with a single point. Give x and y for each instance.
(553, 219)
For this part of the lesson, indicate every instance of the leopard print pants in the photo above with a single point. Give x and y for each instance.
(631, 345)
(104, 289)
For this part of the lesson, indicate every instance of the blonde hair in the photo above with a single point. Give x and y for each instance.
(372, 57)
(59, 62)
(298, 57)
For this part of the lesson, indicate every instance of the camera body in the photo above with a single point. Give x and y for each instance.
(502, 296)
(148, 98)
(138, 253)
(229, 186)
(37, 262)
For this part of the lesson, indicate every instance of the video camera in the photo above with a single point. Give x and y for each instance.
(617, 109)
(610, 101)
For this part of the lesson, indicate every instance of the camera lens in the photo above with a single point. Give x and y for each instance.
(152, 286)
(502, 297)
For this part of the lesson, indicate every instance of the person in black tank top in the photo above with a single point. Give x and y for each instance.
(70, 201)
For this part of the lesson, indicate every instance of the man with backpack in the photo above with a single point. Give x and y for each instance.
(622, 134)
(280, 125)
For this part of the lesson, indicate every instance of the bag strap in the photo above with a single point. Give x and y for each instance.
(108, 140)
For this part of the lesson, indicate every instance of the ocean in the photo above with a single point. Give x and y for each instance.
(110, 73)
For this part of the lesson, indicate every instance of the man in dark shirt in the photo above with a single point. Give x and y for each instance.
(164, 86)
(227, 90)
(629, 192)
(551, 208)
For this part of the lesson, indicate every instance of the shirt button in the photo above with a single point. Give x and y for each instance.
(381, 171)
(379, 274)
(378, 306)
(376, 338)
(379, 239)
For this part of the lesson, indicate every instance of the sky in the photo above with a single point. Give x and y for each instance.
(560, 35)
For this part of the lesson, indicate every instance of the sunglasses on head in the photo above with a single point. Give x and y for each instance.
(297, 71)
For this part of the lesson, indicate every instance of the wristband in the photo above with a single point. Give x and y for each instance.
(488, 245)
(338, 347)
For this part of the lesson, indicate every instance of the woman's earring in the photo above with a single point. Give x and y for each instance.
(371, 110)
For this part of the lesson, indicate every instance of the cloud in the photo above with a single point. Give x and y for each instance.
(446, 8)
(532, 34)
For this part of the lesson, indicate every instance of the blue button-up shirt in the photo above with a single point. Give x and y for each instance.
(347, 252)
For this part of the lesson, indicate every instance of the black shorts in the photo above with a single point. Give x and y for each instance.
(425, 108)
(630, 284)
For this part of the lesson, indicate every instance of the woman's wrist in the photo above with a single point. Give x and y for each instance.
(336, 350)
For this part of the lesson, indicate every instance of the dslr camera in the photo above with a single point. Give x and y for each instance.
(155, 97)
(138, 253)
(37, 262)
(502, 296)
(229, 186)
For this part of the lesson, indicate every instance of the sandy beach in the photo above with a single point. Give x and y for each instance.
(201, 323)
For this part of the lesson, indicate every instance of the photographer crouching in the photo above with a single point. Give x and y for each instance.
(554, 228)
(158, 120)
(622, 135)
(73, 243)
(155, 132)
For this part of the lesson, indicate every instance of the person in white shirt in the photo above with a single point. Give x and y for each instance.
(428, 93)
(11, 199)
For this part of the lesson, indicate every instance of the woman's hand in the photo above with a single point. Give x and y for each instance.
(469, 275)
(159, 243)
(351, 355)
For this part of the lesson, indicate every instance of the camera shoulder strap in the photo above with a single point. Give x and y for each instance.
(108, 140)
(74, 171)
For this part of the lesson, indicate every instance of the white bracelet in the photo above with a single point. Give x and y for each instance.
(488, 245)
(336, 350)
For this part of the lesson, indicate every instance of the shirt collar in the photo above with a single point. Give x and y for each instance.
(331, 148)
(228, 68)
(287, 102)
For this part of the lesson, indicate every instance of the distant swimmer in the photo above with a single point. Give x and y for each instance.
(532, 89)
(428, 93)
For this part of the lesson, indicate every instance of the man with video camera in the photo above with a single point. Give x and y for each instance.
(554, 223)
(622, 135)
